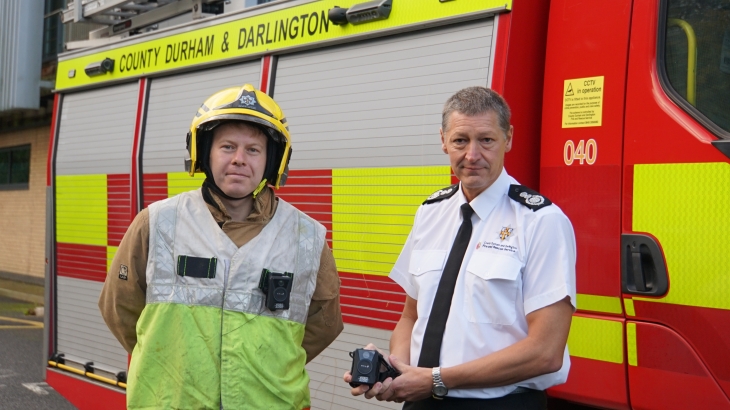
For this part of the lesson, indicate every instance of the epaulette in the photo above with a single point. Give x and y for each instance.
(442, 194)
(528, 197)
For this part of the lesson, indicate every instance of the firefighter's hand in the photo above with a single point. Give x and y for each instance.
(362, 389)
(414, 383)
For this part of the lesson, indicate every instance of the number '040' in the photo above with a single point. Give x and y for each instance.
(583, 152)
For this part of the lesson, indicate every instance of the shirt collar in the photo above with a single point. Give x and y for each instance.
(486, 201)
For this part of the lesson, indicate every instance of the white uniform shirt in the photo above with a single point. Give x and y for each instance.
(518, 261)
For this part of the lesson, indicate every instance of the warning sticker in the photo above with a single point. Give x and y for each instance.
(582, 102)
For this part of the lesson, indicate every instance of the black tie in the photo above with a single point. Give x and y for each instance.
(434, 335)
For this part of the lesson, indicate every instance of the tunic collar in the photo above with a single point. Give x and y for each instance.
(487, 200)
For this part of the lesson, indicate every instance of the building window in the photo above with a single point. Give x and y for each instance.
(14, 167)
(696, 59)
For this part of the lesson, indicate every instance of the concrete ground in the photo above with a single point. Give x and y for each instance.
(21, 359)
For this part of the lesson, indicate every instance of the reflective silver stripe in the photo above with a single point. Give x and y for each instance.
(290, 242)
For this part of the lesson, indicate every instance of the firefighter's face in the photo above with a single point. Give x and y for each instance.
(237, 158)
(476, 146)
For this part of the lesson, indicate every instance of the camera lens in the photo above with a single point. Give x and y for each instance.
(364, 366)
(280, 283)
(280, 294)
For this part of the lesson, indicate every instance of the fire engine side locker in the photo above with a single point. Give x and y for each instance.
(91, 184)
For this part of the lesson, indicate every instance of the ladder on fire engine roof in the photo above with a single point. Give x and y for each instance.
(123, 16)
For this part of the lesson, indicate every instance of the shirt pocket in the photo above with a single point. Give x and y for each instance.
(492, 282)
(426, 261)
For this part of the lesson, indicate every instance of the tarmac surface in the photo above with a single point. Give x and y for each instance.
(22, 385)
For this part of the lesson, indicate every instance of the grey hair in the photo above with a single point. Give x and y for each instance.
(472, 101)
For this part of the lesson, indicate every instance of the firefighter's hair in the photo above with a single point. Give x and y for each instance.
(472, 101)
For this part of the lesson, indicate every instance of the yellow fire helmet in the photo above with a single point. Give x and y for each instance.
(242, 104)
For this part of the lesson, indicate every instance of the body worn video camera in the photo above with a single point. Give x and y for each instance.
(369, 367)
(277, 288)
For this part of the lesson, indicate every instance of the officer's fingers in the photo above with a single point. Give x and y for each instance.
(359, 390)
(374, 391)
(371, 346)
(347, 377)
(386, 392)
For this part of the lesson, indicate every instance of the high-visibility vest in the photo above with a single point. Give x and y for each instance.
(205, 338)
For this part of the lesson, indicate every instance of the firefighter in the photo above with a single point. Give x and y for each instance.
(494, 258)
(223, 294)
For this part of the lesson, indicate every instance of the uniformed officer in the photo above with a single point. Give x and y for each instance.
(489, 272)
(188, 293)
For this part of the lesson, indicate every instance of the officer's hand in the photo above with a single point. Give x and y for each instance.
(362, 389)
(414, 383)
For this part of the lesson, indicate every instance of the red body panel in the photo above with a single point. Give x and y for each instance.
(582, 44)
(85, 395)
(595, 383)
(590, 195)
(518, 76)
(669, 375)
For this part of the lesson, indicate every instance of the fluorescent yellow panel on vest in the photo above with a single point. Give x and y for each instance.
(373, 210)
(685, 206)
(81, 209)
(179, 182)
(595, 303)
(596, 339)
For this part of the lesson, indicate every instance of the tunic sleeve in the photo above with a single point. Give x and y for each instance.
(123, 295)
(324, 322)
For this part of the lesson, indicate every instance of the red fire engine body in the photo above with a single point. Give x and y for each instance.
(621, 111)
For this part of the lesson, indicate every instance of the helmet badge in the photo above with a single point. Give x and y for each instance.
(247, 100)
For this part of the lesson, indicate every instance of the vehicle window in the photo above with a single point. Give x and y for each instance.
(697, 56)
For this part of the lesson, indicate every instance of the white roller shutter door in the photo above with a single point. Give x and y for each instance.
(95, 139)
(173, 102)
(378, 103)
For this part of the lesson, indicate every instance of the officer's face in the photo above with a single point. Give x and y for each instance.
(476, 146)
(237, 159)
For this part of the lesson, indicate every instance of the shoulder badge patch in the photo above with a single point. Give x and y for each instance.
(528, 197)
(442, 194)
(123, 272)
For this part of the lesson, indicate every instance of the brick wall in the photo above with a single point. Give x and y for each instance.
(23, 212)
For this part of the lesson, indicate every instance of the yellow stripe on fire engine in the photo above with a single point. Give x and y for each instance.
(110, 252)
(596, 339)
(257, 34)
(685, 206)
(632, 352)
(596, 303)
(81, 209)
(373, 210)
(179, 182)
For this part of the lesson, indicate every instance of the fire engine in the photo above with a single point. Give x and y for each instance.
(621, 112)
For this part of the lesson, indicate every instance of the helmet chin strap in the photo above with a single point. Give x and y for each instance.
(210, 184)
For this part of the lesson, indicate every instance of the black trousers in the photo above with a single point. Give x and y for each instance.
(529, 400)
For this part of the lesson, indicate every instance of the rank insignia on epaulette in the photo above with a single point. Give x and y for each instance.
(528, 197)
(442, 194)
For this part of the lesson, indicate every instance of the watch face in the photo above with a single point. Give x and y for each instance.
(440, 391)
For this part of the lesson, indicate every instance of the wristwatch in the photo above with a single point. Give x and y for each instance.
(439, 390)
